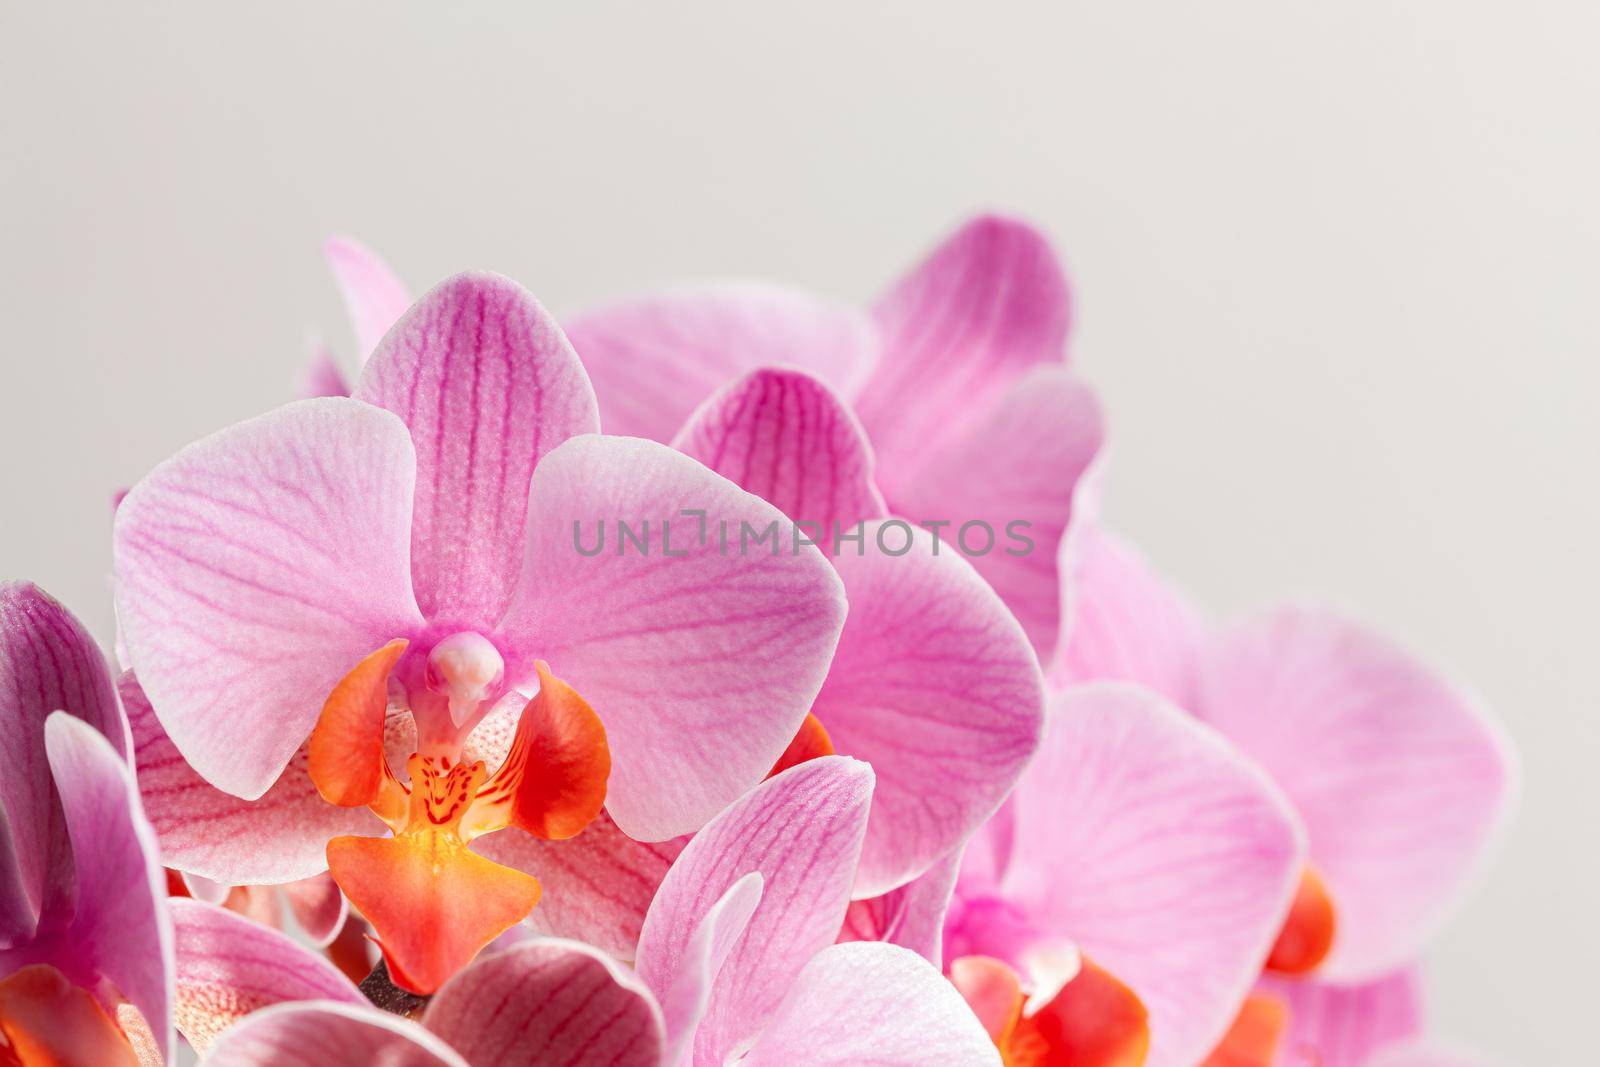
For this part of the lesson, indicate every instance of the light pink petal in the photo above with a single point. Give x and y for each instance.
(1425, 1053)
(687, 997)
(1168, 858)
(597, 886)
(1006, 487)
(373, 296)
(487, 384)
(322, 1033)
(548, 1002)
(655, 359)
(701, 663)
(319, 909)
(48, 663)
(911, 916)
(986, 306)
(215, 835)
(802, 831)
(1128, 623)
(935, 685)
(1399, 776)
(120, 930)
(784, 436)
(1341, 1026)
(321, 376)
(229, 967)
(869, 1003)
(255, 568)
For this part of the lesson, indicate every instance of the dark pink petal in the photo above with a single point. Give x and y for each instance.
(911, 916)
(1012, 473)
(324, 1033)
(784, 436)
(229, 967)
(985, 307)
(48, 663)
(1128, 623)
(215, 835)
(701, 663)
(321, 376)
(655, 359)
(1142, 837)
(802, 832)
(373, 296)
(548, 1002)
(874, 1004)
(1341, 1026)
(319, 909)
(935, 685)
(597, 886)
(1399, 776)
(255, 568)
(487, 384)
(120, 930)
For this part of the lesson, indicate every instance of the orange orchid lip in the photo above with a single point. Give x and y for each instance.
(432, 902)
(1308, 931)
(1093, 1021)
(1253, 1039)
(48, 1021)
(810, 741)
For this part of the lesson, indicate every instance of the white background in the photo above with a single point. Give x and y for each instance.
(1336, 267)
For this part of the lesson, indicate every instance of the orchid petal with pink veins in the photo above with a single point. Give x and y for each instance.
(872, 1003)
(48, 662)
(1340, 1025)
(373, 296)
(989, 304)
(254, 567)
(488, 385)
(546, 1002)
(935, 685)
(911, 916)
(328, 1034)
(597, 886)
(203, 831)
(802, 832)
(1145, 840)
(228, 967)
(687, 997)
(784, 436)
(702, 663)
(1128, 623)
(319, 909)
(655, 359)
(1017, 468)
(120, 928)
(1400, 777)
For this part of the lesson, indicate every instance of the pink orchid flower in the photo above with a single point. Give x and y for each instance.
(1119, 908)
(282, 582)
(1398, 775)
(85, 941)
(737, 960)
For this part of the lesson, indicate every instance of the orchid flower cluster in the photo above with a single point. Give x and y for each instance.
(399, 767)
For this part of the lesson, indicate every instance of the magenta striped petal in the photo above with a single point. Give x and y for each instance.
(255, 568)
(802, 832)
(373, 296)
(545, 1003)
(48, 663)
(1342, 1026)
(228, 967)
(935, 685)
(120, 928)
(986, 306)
(872, 1004)
(1400, 777)
(687, 996)
(203, 831)
(784, 436)
(321, 1033)
(597, 886)
(655, 359)
(487, 384)
(701, 663)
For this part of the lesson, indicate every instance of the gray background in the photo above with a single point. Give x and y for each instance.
(1336, 268)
